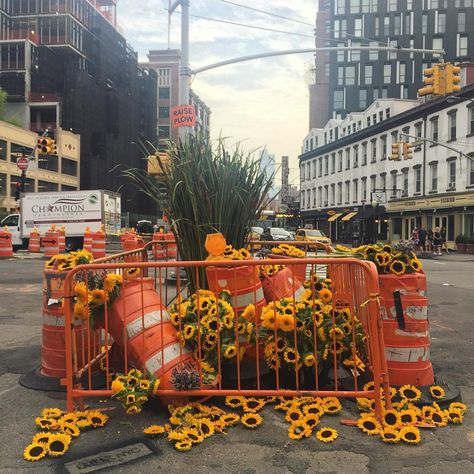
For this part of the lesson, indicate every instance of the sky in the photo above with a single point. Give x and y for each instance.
(259, 103)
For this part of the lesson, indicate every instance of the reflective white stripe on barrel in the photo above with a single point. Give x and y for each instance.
(400, 332)
(248, 298)
(414, 312)
(154, 363)
(407, 354)
(150, 319)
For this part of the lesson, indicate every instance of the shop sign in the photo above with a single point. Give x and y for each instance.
(464, 199)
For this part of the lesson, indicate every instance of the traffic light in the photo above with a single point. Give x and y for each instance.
(17, 191)
(395, 155)
(431, 80)
(47, 146)
(407, 151)
(452, 78)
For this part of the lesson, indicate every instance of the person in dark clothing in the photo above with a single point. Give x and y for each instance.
(429, 245)
(443, 240)
(437, 242)
(422, 238)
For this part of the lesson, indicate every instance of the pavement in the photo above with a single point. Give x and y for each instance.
(266, 449)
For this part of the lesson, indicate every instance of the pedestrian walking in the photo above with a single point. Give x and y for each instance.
(429, 242)
(415, 238)
(437, 241)
(422, 238)
(444, 245)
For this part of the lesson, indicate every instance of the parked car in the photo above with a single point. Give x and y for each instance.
(312, 235)
(278, 233)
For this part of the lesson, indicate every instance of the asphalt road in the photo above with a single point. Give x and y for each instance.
(266, 449)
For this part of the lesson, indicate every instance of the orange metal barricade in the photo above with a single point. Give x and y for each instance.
(354, 290)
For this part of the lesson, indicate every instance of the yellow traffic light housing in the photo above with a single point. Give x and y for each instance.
(407, 151)
(395, 155)
(432, 81)
(452, 78)
(47, 146)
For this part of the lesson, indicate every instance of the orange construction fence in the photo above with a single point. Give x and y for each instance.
(296, 343)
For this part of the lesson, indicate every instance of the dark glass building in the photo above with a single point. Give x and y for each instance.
(353, 80)
(63, 63)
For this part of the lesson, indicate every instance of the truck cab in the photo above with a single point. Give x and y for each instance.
(13, 223)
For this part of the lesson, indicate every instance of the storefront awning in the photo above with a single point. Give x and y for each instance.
(334, 217)
(349, 216)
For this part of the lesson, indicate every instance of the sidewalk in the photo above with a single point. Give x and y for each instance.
(451, 257)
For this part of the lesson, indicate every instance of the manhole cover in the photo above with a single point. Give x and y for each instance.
(107, 459)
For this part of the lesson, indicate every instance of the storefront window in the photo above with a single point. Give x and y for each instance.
(397, 228)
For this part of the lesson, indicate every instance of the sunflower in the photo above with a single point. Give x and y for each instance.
(174, 319)
(193, 435)
(251, 420)
(311, 420)
(410, 392)
(326, 434)
(188, 331)
(332, 408)
(70, 429)
(298, 430)
(290, 356)
(390, 435)
(437, 392)
(233, 401)
(325, 295)
(268, 319)
(458, 406)
(154, 430)
(35, 451)
(336, 332)
(440, 417)
(397, 267)
(46, 423)
(293, 415)
(408, 417)
(184, 445)
(427, 413)
(410, 434)
(68, 418)
(309, 360)
(286, 322)
(51, 413)
(42, 437)
(391, 418)
(369, 424)
(455, 416)
(230, 352)
(313, 409)
(133, 410)
(58, 444)
(98, 297)
(252, 405)
(336, 347)
(82, 419)
(81, 310)
(416, 264)
(249, 313)
(206, 427)
(156, 386)
(130, 273)
(97, 418)
(230, 419)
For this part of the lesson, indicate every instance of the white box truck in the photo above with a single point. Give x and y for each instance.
(75, 210)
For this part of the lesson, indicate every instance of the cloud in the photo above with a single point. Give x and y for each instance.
(261, 103)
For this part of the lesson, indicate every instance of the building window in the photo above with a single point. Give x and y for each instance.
(373, 55)
(348, 159)
(340, 75)
(462, 45)
(164, 77)
(373, 184)
(320, 166)
(326, 165)
(338, 100)
(461, 22)
(333, 194)
(355, 190)
(434, 129)
(452, 125)
(368, 72)
(364, 189)
(350, 75)
(362, 98)
(471, 121)
(320, 196)
(417, 180)
(383, 181)
(418, 129)
(163, 93)
(434, 177)
(383, 147)
(364, 153)
(354, 6)
(401, 73)
(394, 185)
(339, 193)
(163, 132)
(348, 192)
(163, 112)
(437, 43)
(3, 150)
(441, 25)
(373, 144)
(387, 73)
(356, 156)
(452, 174)
(392, 5)
(313, 166)
(358, 27)
(333, 163)
(355, 54)
(396, 25)
(471, 171)
(339, 161)
(405, 182)
(47, 186)
(340, 55)
(424, 24)
(365, 6)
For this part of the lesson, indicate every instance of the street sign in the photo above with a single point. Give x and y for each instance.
(379, 197)
(22, 163)
(183, 116)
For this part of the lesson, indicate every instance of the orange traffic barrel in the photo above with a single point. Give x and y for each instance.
(299, 270)
(6, 247)
(159, 251)
(171, 250)
(98, 244)
(34, 244)
(404, 311)
(283, 284)
(62, 239)
(53, 351)
(87, 245)
(51, 243)
(140, 324)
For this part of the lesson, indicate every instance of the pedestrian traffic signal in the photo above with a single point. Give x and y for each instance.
(407, 151)
(452, 78)
(431, 81)
(47, 146)
(395, 155)
(20, 188)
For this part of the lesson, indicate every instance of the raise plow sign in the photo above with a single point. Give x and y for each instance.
(183, 116)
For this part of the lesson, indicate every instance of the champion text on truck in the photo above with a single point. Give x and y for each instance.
(73, 210)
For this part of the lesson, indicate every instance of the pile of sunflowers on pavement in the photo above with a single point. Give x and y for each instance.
(209, 325)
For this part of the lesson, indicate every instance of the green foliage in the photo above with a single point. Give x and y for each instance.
(461, 239)
(206, 190)
(10, 120)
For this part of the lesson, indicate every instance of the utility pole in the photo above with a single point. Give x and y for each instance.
(184, 70)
